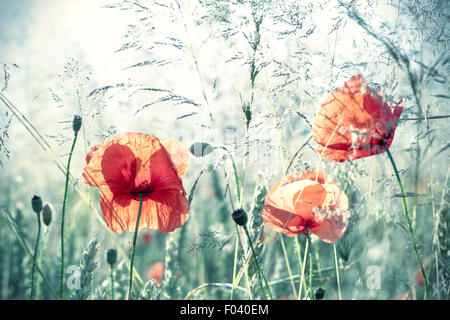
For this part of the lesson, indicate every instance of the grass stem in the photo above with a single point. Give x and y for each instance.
(61, 284)
(262, 277)
(408, 219)
(36, 247)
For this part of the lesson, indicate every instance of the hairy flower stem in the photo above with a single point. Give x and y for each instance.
(299, 257)
(260, 273)
(337, 272)
(35, 253)
(296, 154)
(286, 258)
(302, 279)
(408, 219)
(130, 285)
(111, 280)
(308, 236)
(236, 177)
(61, 284)
(41, 253)
(236, 248)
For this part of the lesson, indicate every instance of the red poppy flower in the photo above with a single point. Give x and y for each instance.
(156, 272)
(353, 121)
(127, 166)
(308, 199)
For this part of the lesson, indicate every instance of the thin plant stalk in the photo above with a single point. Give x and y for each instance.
(36, 247)
(296, 154)
(337, 272)
(302, 279)
(236, 177)
(262, 277)
(235, 265)
(130, 284)
(297, 245)
(286, 258)
(408, 219)
(61, 284)
(308, 235)
(41, 254)
(111, 280)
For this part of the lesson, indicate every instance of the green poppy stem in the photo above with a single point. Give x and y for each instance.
(308, 236)
(41, 253)
(337, 272)
(261, 275)
(302, 269)
(408, 219)
(288, 265)
(111, 279)
(61, 285)
(130, 285)
(35, 253)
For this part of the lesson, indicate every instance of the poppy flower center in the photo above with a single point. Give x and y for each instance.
(144, 188)
(301, 228)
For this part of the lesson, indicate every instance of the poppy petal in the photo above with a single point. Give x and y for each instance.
(119, 167)
(165, 211)
(335, 215)
(179, 155)
(163, 172)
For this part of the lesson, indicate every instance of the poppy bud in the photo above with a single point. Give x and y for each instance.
(47, 213)
(200, 149)
(76, 123)
(319, 293)
(111, 257)
(240, 217)
(36, 204)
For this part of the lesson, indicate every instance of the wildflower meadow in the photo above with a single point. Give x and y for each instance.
(224, 150)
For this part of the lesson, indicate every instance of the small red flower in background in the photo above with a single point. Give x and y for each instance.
(132, 164)
(308, 199)
(353, 121)
(404, 296)
(419, 276)
(156, 272)
(146, 237)
(419, 279)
